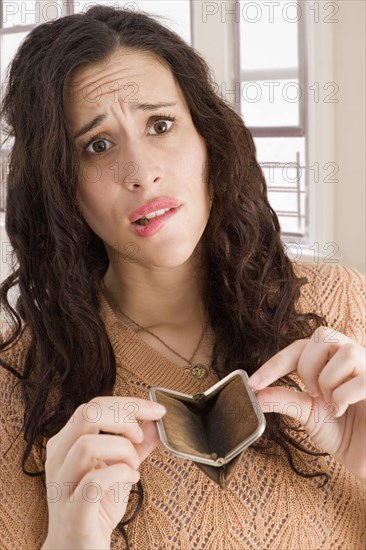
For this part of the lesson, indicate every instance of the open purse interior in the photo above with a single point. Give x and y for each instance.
(211, 427)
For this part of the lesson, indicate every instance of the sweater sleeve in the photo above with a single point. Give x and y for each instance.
(338, 293)
(23, 502)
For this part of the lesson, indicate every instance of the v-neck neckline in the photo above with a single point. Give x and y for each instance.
(162, 369)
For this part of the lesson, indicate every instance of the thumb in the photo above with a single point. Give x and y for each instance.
(150, 441)
(297, 405)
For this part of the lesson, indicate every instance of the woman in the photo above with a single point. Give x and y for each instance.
(146, 246)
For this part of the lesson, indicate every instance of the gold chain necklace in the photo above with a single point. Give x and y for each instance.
(198, 370)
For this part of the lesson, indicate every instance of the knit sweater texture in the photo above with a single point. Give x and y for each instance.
(265, 506)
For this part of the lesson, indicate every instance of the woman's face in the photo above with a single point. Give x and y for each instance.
(131, 153)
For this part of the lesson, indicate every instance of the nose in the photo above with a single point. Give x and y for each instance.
(138, 166)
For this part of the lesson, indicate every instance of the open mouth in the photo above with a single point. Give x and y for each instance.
(146, 219)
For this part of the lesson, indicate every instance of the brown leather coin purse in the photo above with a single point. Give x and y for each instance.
(211, 428)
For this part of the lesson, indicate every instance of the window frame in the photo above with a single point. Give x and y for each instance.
(300, 130)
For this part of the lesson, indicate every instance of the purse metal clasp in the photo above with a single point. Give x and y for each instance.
(199, 397)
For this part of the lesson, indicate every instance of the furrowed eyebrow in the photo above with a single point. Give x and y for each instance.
(90, 125)
(100, 118)
(151, 106)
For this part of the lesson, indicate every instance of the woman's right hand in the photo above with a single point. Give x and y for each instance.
(89, 475)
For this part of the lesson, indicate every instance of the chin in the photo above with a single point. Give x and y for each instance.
(174, 256)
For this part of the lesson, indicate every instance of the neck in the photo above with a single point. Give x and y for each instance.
(157, 297)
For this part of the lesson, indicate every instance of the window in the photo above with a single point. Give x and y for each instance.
(272, 66)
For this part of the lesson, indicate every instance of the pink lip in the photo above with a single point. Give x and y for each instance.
(152, 206)
(154, 225)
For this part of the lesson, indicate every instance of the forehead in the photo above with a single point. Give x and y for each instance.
(127, 75)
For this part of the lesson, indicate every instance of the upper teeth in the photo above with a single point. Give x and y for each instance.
(157, 213)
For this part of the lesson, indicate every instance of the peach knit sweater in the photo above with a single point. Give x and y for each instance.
(266, 505)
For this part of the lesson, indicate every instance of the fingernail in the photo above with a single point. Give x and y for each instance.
(136, 475)
(159, 408)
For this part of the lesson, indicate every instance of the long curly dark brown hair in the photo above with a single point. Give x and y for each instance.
(251, 286)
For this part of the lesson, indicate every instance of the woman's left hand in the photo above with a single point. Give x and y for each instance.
(333, 409)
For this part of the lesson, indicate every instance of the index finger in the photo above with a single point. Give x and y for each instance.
(284, 362)
(287, 360)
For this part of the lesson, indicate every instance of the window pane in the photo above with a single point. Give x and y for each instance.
(292, 225)
(177, 12)
(271, 102)
(268, 34)
(283, 164)
(271, 91)
(280, 149)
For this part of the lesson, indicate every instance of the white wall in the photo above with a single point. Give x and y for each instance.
(350, 145)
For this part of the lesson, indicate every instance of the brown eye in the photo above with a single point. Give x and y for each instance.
(99, 146)
(160, 126)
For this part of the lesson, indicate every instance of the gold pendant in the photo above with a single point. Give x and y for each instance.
(199, 371)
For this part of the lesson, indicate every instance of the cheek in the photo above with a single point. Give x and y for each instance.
(91, 202)
(92, 185)
(193, 164)
(84, 199)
